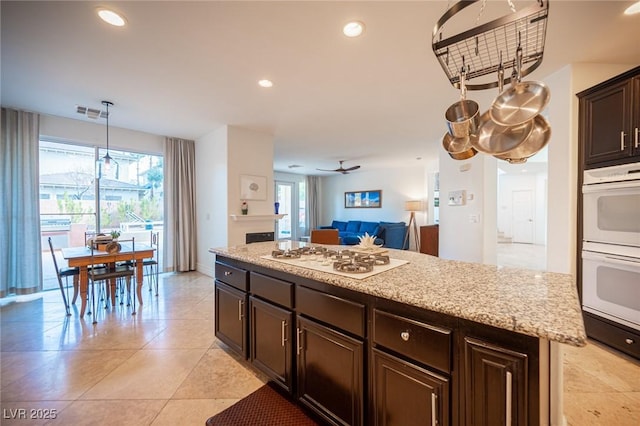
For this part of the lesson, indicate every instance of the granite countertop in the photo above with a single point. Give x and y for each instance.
(535, 303)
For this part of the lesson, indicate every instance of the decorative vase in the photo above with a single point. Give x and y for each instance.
(244, 207)
(276, 205)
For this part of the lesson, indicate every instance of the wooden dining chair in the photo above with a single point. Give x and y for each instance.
(66, 273)
(123, 273)
(325, 236)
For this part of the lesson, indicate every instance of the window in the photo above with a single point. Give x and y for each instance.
(74, 187)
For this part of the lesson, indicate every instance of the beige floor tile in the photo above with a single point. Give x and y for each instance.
(149, 374)
(16, 365)
(184, 334)
(619, 409)
(620, 373)
(218, 375)
(67, 376)
(190, 411)
(116, 412)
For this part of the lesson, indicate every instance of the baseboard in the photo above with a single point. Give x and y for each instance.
(205, 268)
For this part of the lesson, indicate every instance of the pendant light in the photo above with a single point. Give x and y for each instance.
(107, 158)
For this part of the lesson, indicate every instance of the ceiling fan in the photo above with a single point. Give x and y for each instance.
(341, 169)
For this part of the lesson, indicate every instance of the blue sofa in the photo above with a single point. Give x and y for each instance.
(389, 234)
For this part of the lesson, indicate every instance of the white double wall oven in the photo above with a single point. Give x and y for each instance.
(611, 243)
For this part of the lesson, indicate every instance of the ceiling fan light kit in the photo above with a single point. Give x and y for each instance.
(516, 41)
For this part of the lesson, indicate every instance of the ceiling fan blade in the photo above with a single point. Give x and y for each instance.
(326, 170)
(352, 168)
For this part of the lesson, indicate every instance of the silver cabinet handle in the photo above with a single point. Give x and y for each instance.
(405, 335)
(434, 417)
(636, 142)
(629, 341)
(284, 338)
(509, 396)
(227, 273)
(240, 314)
(299, 342)
(622, 135)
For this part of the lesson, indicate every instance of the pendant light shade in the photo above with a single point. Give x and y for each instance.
(107, 158)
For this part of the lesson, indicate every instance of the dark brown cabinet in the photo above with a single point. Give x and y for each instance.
(429, 239)
(495, 386)
(231, 285)
(231, 317)
(406, 394)
(330, 373)
(610, 121)
(270, 341)
(356, 359)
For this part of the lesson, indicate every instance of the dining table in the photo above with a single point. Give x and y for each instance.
(83, 257)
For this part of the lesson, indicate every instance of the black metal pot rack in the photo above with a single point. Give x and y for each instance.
(480, 50)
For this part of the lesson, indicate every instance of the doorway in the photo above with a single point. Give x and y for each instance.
(522, 213)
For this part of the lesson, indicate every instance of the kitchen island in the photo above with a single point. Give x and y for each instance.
(458, 342)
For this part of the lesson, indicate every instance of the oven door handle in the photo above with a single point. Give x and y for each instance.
(624, 262)
(601, 187)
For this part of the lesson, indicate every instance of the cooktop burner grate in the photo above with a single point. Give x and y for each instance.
(346, 261)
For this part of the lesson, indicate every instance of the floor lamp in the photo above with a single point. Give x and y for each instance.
(413, 207)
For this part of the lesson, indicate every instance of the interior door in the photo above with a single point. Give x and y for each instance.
(523, 215)
(284, 195)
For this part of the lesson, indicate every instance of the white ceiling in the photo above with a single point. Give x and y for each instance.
(185, 68)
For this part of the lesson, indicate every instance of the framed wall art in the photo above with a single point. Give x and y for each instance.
(253, 187)
(363, 199)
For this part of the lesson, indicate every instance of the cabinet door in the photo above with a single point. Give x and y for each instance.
(407, 395)
(230, 317)
(270, 339)
(330, 373)
(495, 384)
(605, 120)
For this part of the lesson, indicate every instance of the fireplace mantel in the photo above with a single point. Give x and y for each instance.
(255, 217)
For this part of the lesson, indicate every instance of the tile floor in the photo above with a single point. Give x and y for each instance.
(165, 367)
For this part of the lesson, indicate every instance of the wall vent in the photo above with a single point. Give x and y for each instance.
(91, 113)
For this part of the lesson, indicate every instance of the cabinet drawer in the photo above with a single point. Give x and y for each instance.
(422, 342)
(272, 289)
(344, 314)
(231, 275)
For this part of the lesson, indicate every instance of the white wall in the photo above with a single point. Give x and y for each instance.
(211, 196)
(221, 157)
(397, 186)
(95, 134)
(468, 232)
(249, 153)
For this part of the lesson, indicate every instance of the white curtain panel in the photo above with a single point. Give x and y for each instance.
(180, 204)
(313, 198)
(20, 247)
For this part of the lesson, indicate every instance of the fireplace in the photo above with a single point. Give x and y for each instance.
(258, 237)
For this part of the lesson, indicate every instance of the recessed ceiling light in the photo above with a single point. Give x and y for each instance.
(633, 9)
(265, 83)
(353, 29)
(111, 17)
